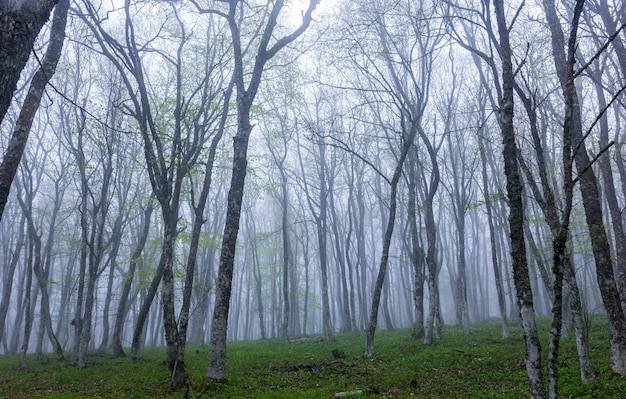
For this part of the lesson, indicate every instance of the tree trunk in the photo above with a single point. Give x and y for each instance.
(135, 258)
(217, 356)
(21, 25)
(245, 97)
(516, 211)
(407, 144)
(15, 46)
(144, 312)
(591, 201)
(615, 211)
(27, 307)
(432, 264)
(416, 253)
(492, 240)
(8, 275)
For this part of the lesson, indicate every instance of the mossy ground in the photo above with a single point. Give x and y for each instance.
(478, 365)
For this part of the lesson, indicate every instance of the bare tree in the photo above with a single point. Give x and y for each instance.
(266, 49)
(516, 208)
(563, 56)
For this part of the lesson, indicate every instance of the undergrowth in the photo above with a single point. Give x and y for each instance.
(479, 365)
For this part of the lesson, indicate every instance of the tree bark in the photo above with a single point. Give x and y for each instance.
(8, 275)
(516, 211)
(20, 23)
(407, 142)
(591, 199)
(135, 258)
(416, 252)
(245, 97)
(18, 30)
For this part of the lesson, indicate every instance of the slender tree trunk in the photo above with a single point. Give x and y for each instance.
(416, 253)
(245, 97)
(348, 249)
(144, 312)
(492, 241)
(322, 239)
(116, 242)
(591, 199)
(183, 320)
(122, 307)
(615, 211)
(287, 265)
(407, 144)
(432, 264)
(516, 211)
(258, 284)
(341, 263)
(8, 275)
(27, 309)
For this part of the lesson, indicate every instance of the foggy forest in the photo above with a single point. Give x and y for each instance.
(183, 172)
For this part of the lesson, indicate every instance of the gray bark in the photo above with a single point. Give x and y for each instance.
(590, 195)
(516, 211)
(18, 29)
(245, 97)
(21, 23)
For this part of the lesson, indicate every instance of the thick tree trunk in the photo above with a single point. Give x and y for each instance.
(217, 356)
(20, 23)
(15, 46)
(175, 366)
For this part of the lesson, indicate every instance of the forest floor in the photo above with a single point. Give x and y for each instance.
(478, 365)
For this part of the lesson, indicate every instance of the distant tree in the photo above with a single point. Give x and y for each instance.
(318, 204)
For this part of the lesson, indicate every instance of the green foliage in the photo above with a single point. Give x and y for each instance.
(479, 365)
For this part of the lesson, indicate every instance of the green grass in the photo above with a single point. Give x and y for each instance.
(479, 365)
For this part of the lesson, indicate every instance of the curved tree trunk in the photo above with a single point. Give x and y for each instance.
(384, 258)
(135, 258)
(15, 46)
(21, 22)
